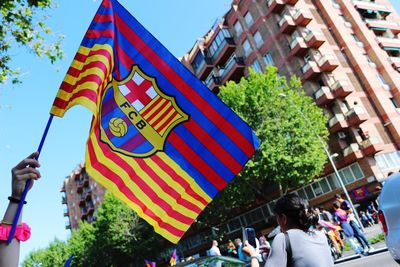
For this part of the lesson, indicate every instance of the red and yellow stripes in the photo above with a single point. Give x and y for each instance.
(85, 80)
(156, 188)
(160, 114)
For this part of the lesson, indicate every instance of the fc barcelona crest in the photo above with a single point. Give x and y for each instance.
(136, 116)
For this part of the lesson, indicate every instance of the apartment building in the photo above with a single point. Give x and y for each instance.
(81, 197)
(347, 54)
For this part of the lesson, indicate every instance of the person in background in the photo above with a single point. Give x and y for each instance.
(26, 169)
(342, 219)
(239, 247)
(214, 250)
(297, 245)
(265, 248)
(232, 249)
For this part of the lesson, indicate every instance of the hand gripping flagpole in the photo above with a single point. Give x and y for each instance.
(28, 184)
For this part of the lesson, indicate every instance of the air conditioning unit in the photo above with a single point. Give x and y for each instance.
(341, 135)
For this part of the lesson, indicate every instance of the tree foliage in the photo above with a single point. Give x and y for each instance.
(290, 154)
(116, 238)
(23, 22)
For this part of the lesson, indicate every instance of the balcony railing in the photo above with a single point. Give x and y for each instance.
(314, 39)
(234, 60)
(335, 119)
(323, 96)
(352, 148)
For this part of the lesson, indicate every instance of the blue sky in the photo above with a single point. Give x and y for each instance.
(25, 108)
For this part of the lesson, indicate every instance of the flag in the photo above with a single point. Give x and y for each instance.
(150, 263)
(174, 258)
(160, 140)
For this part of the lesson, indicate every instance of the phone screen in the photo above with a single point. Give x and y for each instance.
(251, 236)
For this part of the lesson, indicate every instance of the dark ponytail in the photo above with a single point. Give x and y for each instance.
(297, 210)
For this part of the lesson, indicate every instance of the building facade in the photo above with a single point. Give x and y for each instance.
(81, 197)
(347, 54)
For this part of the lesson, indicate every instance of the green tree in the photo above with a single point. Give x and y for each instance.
(23, 22)
(54, 255)
(290, 154)
(116, 238)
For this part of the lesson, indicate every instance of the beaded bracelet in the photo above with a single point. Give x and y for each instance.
(15, 200)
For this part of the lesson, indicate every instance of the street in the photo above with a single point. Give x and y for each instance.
(382, 259)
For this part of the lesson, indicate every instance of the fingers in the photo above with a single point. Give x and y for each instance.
(29, 161)
(28, 173)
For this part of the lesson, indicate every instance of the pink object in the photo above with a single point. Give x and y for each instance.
(22, 233)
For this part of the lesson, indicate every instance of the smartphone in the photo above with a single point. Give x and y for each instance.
(250, 236)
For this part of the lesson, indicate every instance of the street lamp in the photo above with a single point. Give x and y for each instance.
(330, 157)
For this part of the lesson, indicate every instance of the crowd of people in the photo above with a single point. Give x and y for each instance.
(318, 235)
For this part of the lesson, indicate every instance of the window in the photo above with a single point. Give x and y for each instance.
(302, 194)
(246, 47)
(268, 59)
(249, 19)
(383, 81)
(238, 28)
(388, 161)
(219, 40)
(309, 192)
(258, 39)
(256, 66)
(198, 61)
(317, 189)
(333, 181)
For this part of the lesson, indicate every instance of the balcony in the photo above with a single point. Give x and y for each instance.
(372, 145)
(395, 61)
(79, 186)
(67, 225)
(84, 212)
(82, 200)
(327, 63)
(275, 6)
(352, 153)
(213, 82)
(63, 200)
(371, 6)
(341, 88)
(233, 70)
(323, 96)
(90, 208)
(302, 17)
(380, 25)
(66, 212)
(286, 24)
(337, 122)
(314, 39)
(389, 43)
(88, 195)
(204, 68)
(356, 116)
(298, 46)
(221, 46)
(310, 70)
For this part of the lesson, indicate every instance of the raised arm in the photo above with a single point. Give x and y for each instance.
(26, 169)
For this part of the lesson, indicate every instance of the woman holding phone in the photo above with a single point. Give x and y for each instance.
(299, 244)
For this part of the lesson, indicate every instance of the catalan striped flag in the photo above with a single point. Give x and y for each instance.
(160, 140)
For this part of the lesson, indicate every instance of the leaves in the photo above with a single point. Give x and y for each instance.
(24, 23)
(116, 238)
(290, 154)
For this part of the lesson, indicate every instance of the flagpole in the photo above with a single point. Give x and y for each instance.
(28, 184)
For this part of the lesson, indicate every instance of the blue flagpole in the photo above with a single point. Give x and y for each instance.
(28, 184)
(68, 262)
